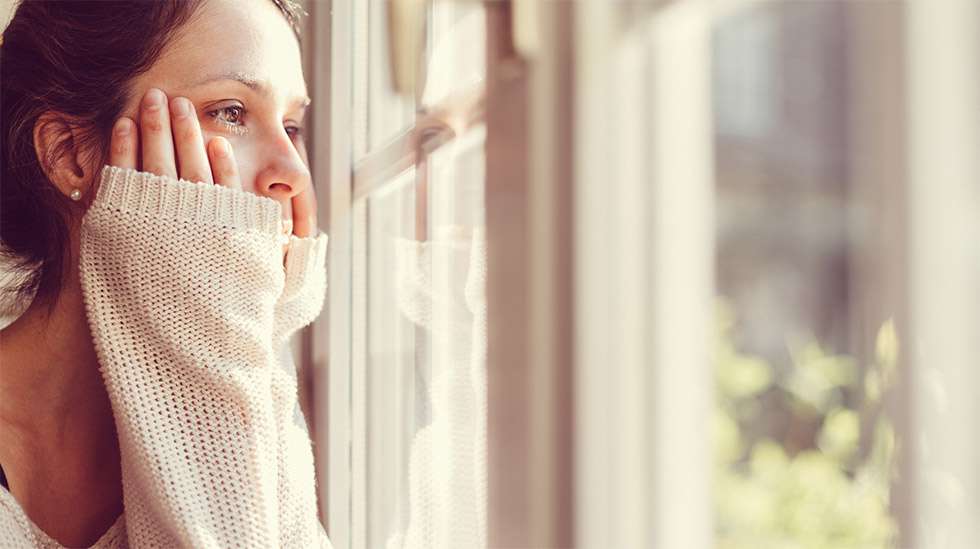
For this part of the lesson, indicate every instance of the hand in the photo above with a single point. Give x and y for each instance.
(173, 146)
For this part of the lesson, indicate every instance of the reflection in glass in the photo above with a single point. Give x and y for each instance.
(427, 354)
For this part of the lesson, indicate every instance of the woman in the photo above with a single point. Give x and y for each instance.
(153, 163)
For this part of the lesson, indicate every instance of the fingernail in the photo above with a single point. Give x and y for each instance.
(181, 107)
(221, 147)
(123, 127)
(153, 99)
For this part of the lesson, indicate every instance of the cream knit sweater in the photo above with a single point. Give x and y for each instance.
(190, 304)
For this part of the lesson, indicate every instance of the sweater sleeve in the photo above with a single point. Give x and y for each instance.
(183, 285)
(305, 285)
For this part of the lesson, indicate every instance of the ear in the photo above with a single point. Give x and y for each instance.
(57, 146)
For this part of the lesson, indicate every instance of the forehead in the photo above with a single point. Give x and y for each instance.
(234, 37)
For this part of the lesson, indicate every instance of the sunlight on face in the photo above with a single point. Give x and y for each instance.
(239, 63)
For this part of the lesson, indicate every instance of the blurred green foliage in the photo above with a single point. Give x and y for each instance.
(824, 489)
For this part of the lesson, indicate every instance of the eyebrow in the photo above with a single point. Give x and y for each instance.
(254, 84)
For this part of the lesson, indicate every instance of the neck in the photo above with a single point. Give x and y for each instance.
(58, 443)
(56, 422)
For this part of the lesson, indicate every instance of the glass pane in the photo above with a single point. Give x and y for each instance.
(426, 402)
(379, 113)
(808, 346)
(389, 113)
(456, 59)
(394, 372)
(360, 68)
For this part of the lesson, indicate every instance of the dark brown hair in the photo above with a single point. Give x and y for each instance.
(75, 58)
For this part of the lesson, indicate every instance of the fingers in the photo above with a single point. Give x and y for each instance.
(287, 224)
(192, 160)
(223, 165)
(168, 141)
(155, 135)
(123, 145)
(304, 212)
(171, 143)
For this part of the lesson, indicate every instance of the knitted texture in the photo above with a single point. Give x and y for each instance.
(188, 299)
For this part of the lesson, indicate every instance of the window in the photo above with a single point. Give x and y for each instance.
(648, 274)
(791, 181)
(413, 305)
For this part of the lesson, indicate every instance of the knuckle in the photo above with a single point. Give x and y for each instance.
(120, 146)
(153, 124)
(152, 167)
(197, 175)
(227, 170)
(186, 132)
(218, 167)
(158, 168)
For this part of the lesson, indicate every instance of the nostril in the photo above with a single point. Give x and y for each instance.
(279, 187)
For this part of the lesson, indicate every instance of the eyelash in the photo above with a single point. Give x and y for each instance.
(232, 127)
(242, 130)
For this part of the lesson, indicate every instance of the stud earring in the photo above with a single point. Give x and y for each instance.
(76, 195)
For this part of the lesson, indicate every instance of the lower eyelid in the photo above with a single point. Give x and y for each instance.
(233, 128)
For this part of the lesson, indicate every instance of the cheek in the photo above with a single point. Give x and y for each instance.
(248, 155)
(301, 149)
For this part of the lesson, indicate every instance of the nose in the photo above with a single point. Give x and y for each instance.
(283, 179)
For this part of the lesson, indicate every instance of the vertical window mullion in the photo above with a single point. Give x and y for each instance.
(943, 442)
(360, 75)
(644, 249)
(682, 276)
(332, 162)
(507, 182)
(359, 401)
(529, 292)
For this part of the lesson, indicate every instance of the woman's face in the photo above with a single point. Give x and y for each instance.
(239, 63)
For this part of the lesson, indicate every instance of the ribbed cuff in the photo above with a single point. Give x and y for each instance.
(303, 257)
(129, 190)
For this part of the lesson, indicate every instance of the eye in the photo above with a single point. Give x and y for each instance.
(294, 132)
(229, 117)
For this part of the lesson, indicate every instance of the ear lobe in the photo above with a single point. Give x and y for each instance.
(58, 154)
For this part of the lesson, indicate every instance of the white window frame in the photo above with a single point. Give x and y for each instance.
(644, 297)
(327, 51)
(943, 188)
